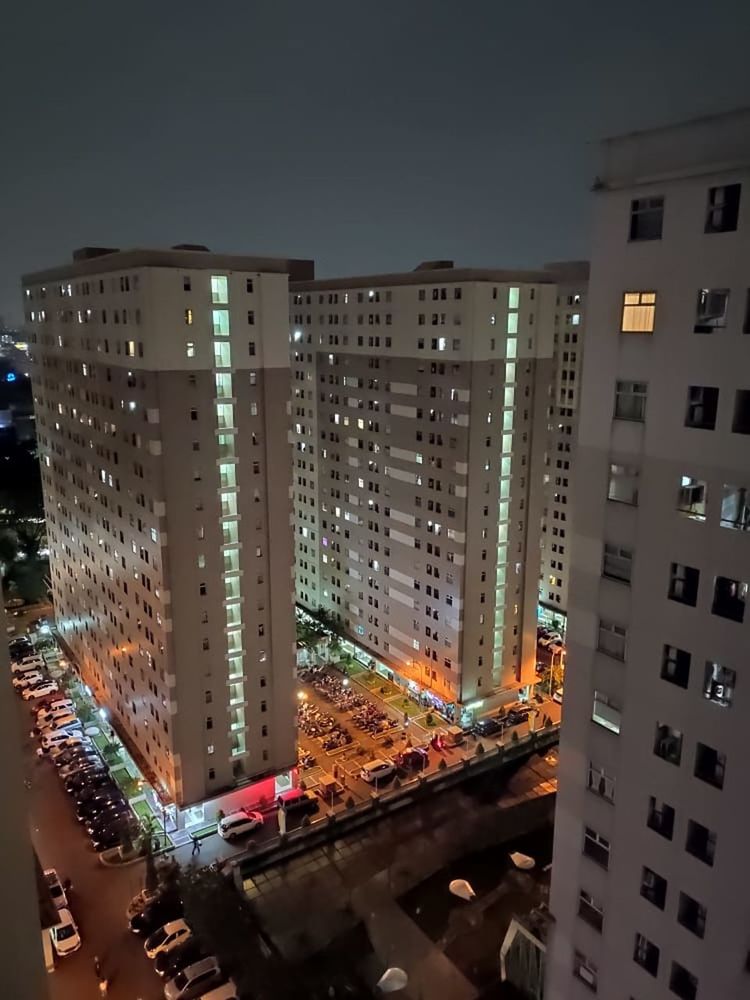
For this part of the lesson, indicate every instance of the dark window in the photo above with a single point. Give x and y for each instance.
(729, 598)
(251, 317)
(251, 348)
(617, 563)
(741, 418)
(683, 584)
(193, 414)
(249, 285)
(646, 217)
(653, 888)
(585, 970)
(683, 983)
(596, 847)
(668, 744)
(746, 321)
(675, 666)
(660, 818)
(711, 310)
(590, 910)
(719, 683)
(646, 954)
(700, 842)
(702, 404)
(186, 283)
(723, 208)
(735, 507)
(692, 914)
(710, 765)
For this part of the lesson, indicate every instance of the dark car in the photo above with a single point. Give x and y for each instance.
(76, 755)
(166, 907)
(518, 714)
(169, 963)
(113, 817)
(88, 809)
(413, 758)
(111, 837)
(93, 778)
(488, 727)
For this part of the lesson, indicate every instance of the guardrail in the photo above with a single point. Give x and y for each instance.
(334, 825)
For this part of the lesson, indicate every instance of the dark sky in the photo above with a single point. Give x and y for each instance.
(369, 136)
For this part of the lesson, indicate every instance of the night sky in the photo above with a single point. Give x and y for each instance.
(369, 136)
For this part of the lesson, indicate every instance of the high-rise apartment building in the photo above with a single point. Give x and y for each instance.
(161, 381)
(650, 884)
(420, 418)
(562, 429)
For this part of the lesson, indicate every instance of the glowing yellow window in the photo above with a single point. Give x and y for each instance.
(638, 310)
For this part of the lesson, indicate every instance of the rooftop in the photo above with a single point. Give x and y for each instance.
(104, 260)
(427, 273)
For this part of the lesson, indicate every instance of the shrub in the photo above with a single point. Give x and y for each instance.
(479, 750)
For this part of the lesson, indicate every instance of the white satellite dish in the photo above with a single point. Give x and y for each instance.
(522, 861)
(461, 888)
(392, 980)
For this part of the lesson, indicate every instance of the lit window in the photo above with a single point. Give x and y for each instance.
(605, 713)
(219, 289)
(513, 297)
(189, 317)
(638, 311)
(190, 349)
(623, 484)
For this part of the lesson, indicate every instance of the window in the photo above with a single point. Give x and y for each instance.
(186, 283)
(710, 765)
(638, 312)
(660, 818)
(700, 842)
(741, 418)
(189, 317)
(585, 970)
(691, 914)
(623, 484)
(718, 684)
(653, 887)
(729, 599)
(675, 666)
(630, 400)
(646, 217)
(611, 639)
(193, 414)
(668, 744)
(251, 317)
(683, 584)
(600, 783)
(219, 289)
(590, 910)
(681, 982)
(617, 563)
(691, 498)
(646, 954)
(190, 349)
(723, 208)
(735, 508)
(251, 348)
(605, 712)
(595, 847)
(249, 285)
(711, 310)
(702, 404)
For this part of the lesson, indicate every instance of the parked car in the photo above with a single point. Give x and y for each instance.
(377, 770)
(167, 906)
(488, 727)
(59, 706)
(188, 952)
(166, 938)
(60, 722)
(92, 778)
(29, 679)
(39, 691)
(298, 800)
(56, 890)
(72, 741)
(86, 765)
(109, 819)
(58, 739)
(558, 696)
(227, 991)
(194, 980)
(107, 839)
(75, 754)
(517, 713)
(90, 807)
(413, 758)
(65, 936)
(237, 824)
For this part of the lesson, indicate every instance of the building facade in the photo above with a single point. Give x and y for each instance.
(562, 429)
(650, 884)
(420, 417)
(161, 382)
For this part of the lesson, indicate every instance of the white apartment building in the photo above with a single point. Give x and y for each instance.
(562, 430)
(651, 885)
(420, 418)
(161, 381)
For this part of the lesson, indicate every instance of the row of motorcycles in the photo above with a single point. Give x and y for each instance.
(372, 720)
(319, 725)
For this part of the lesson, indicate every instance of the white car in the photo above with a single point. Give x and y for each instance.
(65, 936)
(73, 740)
(194, 981)
(56, 890)
(238, 823)
(27, 663)
(140, 901)
(58, 707)
(59, 722)
(166, 938)
(227, 991)
(63, 739)
(376, 770)
(40, 691)
(27, 680)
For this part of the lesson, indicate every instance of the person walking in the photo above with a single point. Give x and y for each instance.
(196, 846)
(97, 967)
